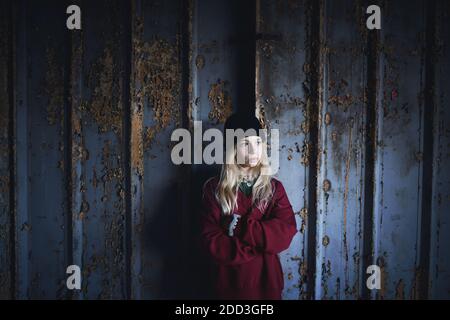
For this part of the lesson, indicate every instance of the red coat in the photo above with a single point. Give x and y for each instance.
(246, 265)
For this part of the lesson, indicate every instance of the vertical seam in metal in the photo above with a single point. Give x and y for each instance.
(11, 146)
(184, 58)
(427, 164)
(127, 140)
(315, 45)
(68, 148)
(369, 156)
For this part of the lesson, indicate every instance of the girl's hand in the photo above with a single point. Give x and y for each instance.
(233, 224)
(229, 223)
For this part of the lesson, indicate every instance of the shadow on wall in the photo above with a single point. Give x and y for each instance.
(175, 266)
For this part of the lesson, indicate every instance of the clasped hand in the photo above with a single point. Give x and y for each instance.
(231, 222)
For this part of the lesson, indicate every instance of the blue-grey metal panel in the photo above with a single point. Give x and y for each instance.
(282, 104)
(398, 169)
(341, 152)
(41, 202)
(440, 223)
(75, 148)
(101, 150)
(212, 64)
(156, 80)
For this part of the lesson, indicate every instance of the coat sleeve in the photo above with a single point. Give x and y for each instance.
(221, 247)
(274, 234)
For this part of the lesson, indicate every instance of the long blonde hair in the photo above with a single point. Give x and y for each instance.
(230, 177)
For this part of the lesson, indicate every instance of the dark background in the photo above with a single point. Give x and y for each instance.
(86, 118)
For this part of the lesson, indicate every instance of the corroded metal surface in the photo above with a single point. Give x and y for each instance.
(340, 158)
(282, 95)
(86, 119)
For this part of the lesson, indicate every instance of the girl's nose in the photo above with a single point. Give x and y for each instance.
(251, 148)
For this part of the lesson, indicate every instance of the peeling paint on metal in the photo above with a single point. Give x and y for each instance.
(220, 100)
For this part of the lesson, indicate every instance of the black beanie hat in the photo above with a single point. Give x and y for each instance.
(241, 121)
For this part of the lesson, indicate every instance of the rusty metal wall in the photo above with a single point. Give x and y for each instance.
(86, 118)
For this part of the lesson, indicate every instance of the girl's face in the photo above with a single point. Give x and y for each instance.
(249, 150)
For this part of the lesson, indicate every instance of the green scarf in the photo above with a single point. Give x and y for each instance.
(245, 188)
